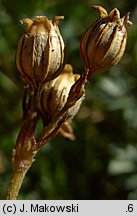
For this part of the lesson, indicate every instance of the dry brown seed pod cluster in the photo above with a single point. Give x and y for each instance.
(40, 59)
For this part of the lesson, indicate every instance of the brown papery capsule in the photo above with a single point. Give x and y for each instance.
(103, 44)
(40, 52)
(53, 95)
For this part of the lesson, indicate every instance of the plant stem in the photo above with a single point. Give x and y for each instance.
(23, 156)
(15, 184)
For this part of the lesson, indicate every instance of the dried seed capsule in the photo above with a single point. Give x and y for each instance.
(103, 44)
(54, 94)
(40, 52)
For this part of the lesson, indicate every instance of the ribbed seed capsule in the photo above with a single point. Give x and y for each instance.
(103, 44)
(54, 94)
(40, 52)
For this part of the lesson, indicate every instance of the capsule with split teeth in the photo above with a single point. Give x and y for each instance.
(40, 53)
(103, 44)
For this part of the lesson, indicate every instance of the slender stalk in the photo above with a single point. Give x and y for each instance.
(21, 164)
(15, 184)
(23, 156)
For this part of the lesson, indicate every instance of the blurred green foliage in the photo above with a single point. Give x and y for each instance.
(102, 162)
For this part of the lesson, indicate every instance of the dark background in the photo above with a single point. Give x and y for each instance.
(102, 162)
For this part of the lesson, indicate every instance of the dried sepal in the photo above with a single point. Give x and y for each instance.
(102, 12)
(66, 130)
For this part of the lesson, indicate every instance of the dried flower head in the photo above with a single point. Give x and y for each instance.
(40, 52)
(53, 95)
(103, 44)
